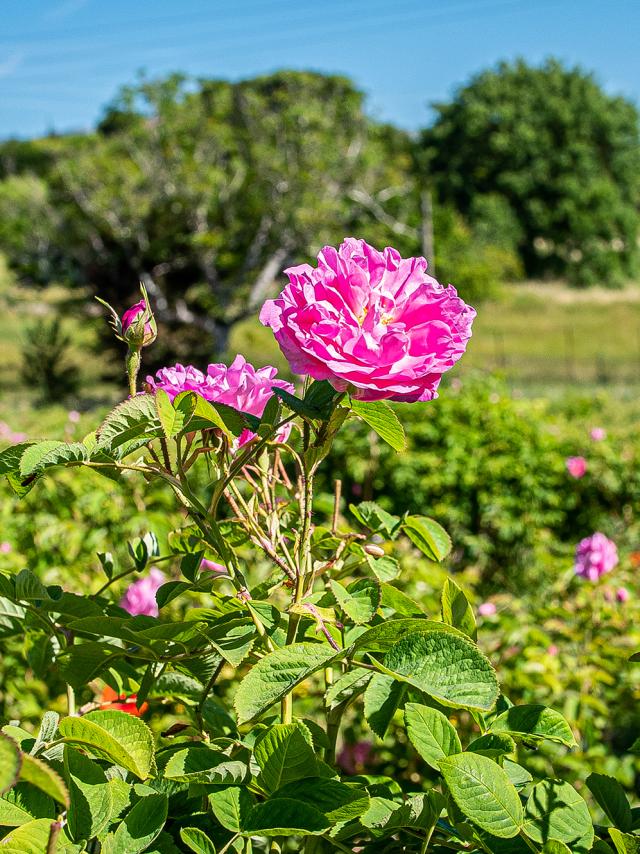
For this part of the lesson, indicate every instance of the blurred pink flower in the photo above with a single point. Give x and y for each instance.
(598, 434)
(353, 758)
(595, 556)
(552, 650)
(622, 595)
(140, 597)
(487, 609)
(74, 416)
(370, 322)
(16, 438)
(240, 385)
(212, 566)
(5, 548)
(576, 466)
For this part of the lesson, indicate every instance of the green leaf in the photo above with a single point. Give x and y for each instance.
(201, 764)
(29, 586)
(30, 838)
(139, 828)
(173, 416)
(431, 733)
(196, 840)
(456, 610)
(382, 420)
(113, 735)
(518, 775)
(40, 775)
(231, 806)
(384, 568)
(556, 811)
(360, 600)
(46, 455)
(534, 721)
(345, 689)
(278, 673)
(48, 730)
(382, 698)
(430, 537)
(284, 753)
(383, 636)
(91, 795)
(450, 668)
(135, 418)
(611, 797)
(625, 843)
(216, 416)
(10, 762)
(372, 516)
(335, 800)
(285, 817)
(399, 601)
(10, 457)
(554, 846)
(493, 745)
(484, 793)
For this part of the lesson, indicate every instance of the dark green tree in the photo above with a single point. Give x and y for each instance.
(562, 154)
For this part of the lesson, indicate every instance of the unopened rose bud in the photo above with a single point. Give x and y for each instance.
(138, 325)
(374, 551)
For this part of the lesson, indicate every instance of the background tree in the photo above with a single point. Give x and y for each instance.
(559, 152)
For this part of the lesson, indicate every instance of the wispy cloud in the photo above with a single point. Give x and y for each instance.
(11, 63)
(64, 9)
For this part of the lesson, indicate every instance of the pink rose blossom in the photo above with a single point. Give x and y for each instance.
(134, 335)
(353, 758)
(5, 548)
(595, 556)
(212, 566)
(487, 609)
(576, 466)
(622, 595)
(369, 322)
(140, 597)
(73, 416)
(552, 650)
(240, 385)
(16, 438)
(598, 434)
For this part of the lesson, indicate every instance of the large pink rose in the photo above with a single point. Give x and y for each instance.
(240, 385)
(370, 322)
(140, 597)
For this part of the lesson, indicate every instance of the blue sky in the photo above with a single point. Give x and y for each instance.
(62, 60)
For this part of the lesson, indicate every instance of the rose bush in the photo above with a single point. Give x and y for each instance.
(255, 672)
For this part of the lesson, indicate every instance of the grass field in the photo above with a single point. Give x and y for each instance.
(545, 339)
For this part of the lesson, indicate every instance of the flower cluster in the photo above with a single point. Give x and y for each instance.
(239, 385)
(595, 556)
(371, 323)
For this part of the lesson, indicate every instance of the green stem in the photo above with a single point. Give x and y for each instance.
(205, 694)
(528, 842)
(132, 361)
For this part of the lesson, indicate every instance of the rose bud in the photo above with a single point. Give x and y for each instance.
(138, 325)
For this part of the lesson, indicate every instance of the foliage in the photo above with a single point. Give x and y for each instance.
(560, 152)
(45, 361)
(305, 620)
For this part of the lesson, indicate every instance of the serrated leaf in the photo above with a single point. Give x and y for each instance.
(450, 668)
(278, 673)
(484, 793)
(335, 800)
(46, 455)
(284, 753)
(140, 827)
(360, 600)
(518, 775)
(556, 811)
(133, 419)
(174, 416)
(30, 838)
(384, 568)
(197, 840)
(456, 610)
(91, 795)
(10, 762)
(383, 636)
(40, 775)
(231, 806)
(48, 730)
(23, 803)
(431, 733)
(493, 745)
(625, 843)
(534, 721)
(430, 537)
(345, 689)
(285, 817)
(201, 764)
(611, 797)
(382, 420)
(113, 735)
(382, 699)
(554, 846)
(10, 457)
(372, 516)
(399, 601)
(217, 416)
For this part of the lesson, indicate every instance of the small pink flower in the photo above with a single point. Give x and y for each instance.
(487, 609)
(140, 597)
(595, 556)
(212, 566)
(74, 416)
(371, 323)
(240, 385)
(5, 548)
(16, 438)
(141, 336)
(598, 434)
(353, 758)
(576, 466)
(622, 595)
(552, 650)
